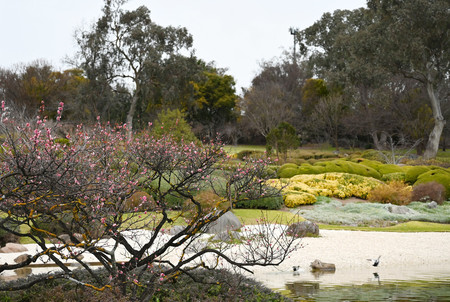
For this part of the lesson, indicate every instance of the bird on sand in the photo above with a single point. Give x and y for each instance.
(295, 268)
(375, 262)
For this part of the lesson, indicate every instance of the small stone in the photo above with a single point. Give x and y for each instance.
(432, 205)
(303, 228)
(322, 266)
(21, 258)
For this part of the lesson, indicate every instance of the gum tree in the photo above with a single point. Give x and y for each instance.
(96, 197)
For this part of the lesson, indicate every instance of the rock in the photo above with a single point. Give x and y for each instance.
(318, 265)
(432, 205)
(227, 222)
(21, 258)
(176, 229)
(13, 248)
(399, 209)
(303, 228)
(227, 236)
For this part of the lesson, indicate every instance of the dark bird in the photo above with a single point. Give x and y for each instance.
(295, 268)
(375, 262)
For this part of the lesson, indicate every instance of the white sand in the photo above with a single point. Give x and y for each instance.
(402, 254)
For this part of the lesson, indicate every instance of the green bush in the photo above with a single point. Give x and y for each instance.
(265, 203)
(414, 172)
(439, 176)
(398, 176)
(288, 172)
(390, 168)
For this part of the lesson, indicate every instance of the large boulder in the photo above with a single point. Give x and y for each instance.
(227, 222)
(303, 228)
(13, 248)
(318, 265)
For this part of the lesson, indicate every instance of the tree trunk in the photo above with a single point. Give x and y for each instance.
(130, 116)
(439, 123)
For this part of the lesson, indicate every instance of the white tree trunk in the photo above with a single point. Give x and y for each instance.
(439, 123)
(130, 116)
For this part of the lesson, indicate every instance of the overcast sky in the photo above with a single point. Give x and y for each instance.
(235, 34)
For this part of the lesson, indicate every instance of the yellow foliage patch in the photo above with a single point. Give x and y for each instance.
(341, 185)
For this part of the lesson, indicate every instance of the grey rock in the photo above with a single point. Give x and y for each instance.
(432, 205)
(176, 229)
(227, 222)
(402, 210)
(318, 265)
(303, 228)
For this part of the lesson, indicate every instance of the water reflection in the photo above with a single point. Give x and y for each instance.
(432, 286)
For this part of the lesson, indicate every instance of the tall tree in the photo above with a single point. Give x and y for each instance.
(414, 42)
(274, 96)
(128, 47)
(215, 102)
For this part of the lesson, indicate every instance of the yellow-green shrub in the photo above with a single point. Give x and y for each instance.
(341, 185)
(414, 172)
(439, 175)
(298, 199)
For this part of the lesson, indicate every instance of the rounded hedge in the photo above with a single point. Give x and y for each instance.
(414, 172)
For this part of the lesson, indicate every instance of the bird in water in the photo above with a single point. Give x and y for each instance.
(375, 262)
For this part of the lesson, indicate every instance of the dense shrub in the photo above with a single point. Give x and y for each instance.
(414, 172)
(439, 175)
(213, 285)
(395, 192)
(299, 198)
(399, 176)
(390, 168)
(265, 203)
(429, 191)
(341, 185)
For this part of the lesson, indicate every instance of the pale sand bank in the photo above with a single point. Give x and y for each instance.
(403, 256)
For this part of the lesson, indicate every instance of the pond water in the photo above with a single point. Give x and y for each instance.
(427, 283)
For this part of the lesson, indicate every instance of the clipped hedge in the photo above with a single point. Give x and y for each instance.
(414, 172)
(396, 176)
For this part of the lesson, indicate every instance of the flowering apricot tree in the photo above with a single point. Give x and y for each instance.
(75, 197)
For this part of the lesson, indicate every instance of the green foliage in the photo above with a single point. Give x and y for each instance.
(398, 176)
(265, 203)
(173, 123)
(282, 138)
(439, 176)
(414, 172)
(215, 101)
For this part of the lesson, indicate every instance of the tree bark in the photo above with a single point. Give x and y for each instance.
(439, 123)
(130, 116)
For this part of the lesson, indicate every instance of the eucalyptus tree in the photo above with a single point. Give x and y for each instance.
(128, 47)
(414, 41)
(364, 48)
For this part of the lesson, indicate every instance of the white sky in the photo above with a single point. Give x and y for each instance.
(236, 34)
